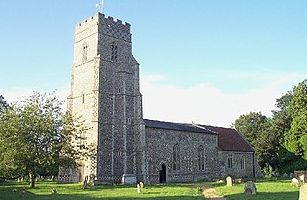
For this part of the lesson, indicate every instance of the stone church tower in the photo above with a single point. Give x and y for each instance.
(105, 93)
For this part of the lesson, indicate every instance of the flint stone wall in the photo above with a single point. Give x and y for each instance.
(159, 150)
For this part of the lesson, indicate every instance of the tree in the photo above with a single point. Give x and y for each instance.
(296, 137)
(251, 125)
(280, 141)
(260, 132)
(3, 104)
(37, 137)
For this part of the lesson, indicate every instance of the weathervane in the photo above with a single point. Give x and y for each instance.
(99, 6)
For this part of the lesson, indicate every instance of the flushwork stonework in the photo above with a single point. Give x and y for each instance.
(105, 93)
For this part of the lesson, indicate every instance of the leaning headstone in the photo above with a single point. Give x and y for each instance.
(295, 182)
(303, 192)
(250, 188)
(229, 181)
(138, 188)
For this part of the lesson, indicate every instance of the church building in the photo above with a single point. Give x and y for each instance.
(105, 93)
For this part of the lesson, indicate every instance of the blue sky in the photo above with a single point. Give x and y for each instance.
(237, 50)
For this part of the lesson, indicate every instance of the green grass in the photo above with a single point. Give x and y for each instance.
(266, 190)
(74, 192)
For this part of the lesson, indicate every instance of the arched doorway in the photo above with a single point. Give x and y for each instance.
(162, 173)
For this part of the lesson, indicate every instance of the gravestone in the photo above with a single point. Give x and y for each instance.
(142, 185)
(302, 178)
(291, 175)
(128, 179)
(303, 192)
(229, 181)
(250, 188)
(295, 182)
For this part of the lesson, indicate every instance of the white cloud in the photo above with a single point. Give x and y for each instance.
(12, 95)
(201, 103)
(207, 104)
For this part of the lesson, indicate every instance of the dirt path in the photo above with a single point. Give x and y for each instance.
(210, 193)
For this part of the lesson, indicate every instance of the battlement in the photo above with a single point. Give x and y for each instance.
(108, 25)
(112, 22)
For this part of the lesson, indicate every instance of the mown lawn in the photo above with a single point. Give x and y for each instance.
(267, 190)
(74, 192)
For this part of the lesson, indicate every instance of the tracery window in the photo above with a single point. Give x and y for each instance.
(201, 158)
(176, 157)
(114, 51)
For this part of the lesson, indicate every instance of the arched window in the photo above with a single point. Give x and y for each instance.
(242, 162)
(84, 52)
(201, 158)
(176, 157)
(230, 160)
(114, 51)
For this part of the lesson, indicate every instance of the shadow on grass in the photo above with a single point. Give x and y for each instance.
(12, 191)
(265, 196)
(29, 195)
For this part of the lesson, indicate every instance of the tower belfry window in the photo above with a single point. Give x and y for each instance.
(84, 53)
(114, 51)
(83, 97)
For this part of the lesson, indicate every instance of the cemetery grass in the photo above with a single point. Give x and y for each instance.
(43, 191)
(266, 190)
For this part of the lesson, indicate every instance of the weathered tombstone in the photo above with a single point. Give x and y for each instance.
(303, 192)
(302, 178)
(285, 175)
(295, 182)
(229, 181)
(291, 175)
(142, 185)
(138, 188)
(250, 188)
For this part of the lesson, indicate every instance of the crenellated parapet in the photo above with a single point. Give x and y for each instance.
(106, 25)
(115, 28)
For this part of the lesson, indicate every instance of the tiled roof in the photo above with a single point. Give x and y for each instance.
(230, 140)
(176, 126)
